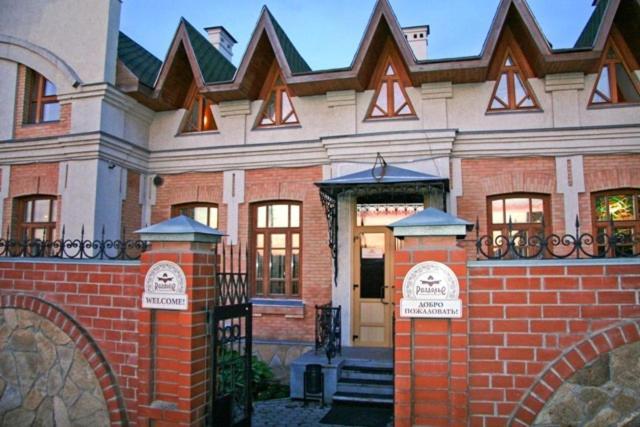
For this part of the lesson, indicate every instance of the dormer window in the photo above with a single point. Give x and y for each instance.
(511, 91)
(199, 117)
(41, 101)
(615, 84)
(390, 98)
(277, 109)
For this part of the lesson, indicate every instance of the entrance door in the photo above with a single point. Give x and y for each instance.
(373, 287)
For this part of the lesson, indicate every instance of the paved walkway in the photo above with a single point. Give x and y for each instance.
(287, 412)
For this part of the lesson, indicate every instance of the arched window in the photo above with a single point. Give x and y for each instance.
(615, 83)
(276, 244)
(205, 213)
(36, 217)
(41, 101)
(617, 213)
(522, 215)
(512, 91)
(277, 109)
(390, 98)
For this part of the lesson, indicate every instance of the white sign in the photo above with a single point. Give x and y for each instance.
(431, 290)
(165, 287)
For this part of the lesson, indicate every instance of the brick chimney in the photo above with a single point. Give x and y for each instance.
(221, 40)
(417, 38)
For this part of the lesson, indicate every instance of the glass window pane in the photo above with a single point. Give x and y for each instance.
(497, 212)
(278, 216)
(269, 117)
(295, 216)
(286, 104)
(508, 62)
(295, 263)
(295, 240)
(537, 210)
(389, 71)
(527, 103)
(519, 88)
(502, 93)
(262, 217)
(49, 88)
(191, 124)
(54, 210)
(381, 102)
(603, 83)
(621, 207)
(517, 210)
(27, 211)
(213, 217)
(39, 233)
(404, 111)
(602, 214)
(377, 112)
(277, 271)
(259, 270)
(41, 211)
(207, 117)
(201, 214)
(278, 241)
(50, 112)
(260, 240)
(626, 90)
(398, 97)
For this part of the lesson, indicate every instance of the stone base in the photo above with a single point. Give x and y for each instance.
(330, 372)
(279, 355)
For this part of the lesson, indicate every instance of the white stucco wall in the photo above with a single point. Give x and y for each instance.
(81, 32)
(8, 80)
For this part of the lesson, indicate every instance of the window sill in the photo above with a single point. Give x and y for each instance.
(604, 106)
(276, 127)
(394, 118)
(43, 123)
(204, 132)
(289, 308)
(519, 111)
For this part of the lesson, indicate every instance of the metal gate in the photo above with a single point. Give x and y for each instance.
(230, 326)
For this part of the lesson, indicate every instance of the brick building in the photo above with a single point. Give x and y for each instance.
(99, 137)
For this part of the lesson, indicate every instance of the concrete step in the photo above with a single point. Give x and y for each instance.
(357, 385)
(367, 372)
(384, 399)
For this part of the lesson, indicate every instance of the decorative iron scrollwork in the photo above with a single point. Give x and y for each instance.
(328, 330)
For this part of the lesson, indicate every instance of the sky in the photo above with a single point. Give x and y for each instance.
(327, 32)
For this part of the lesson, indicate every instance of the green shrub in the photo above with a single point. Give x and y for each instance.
(263, 384)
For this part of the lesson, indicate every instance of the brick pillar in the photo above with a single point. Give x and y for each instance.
(431, 378)
(174, 345)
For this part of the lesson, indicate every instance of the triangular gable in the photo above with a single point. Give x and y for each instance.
(191, 49)
(268, 40)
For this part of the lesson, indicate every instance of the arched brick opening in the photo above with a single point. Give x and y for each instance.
(83, 342)
(568, 363)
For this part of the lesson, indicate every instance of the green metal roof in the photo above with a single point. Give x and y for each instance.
(590, 30)
(213, 65)
(295, 60)
(138, 60)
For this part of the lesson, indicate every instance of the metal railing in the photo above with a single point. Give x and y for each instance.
(328, 330)
(232, 283)
(82, 248)
(518, 244)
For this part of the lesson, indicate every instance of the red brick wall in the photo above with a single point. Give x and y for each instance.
(524, 318)
(131, 207)
(293, 184)
(39, 130)
(26, 180)
(102, 297)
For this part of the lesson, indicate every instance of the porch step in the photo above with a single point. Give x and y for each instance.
(365, 382)
(384, 399)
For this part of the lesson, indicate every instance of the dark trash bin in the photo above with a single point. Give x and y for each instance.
(314, 383)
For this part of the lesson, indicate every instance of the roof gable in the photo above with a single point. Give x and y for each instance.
(142, 63)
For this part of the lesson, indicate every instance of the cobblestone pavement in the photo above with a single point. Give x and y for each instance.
(286, 412)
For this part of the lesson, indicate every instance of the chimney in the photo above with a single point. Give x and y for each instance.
(221, 40)
(417, 38)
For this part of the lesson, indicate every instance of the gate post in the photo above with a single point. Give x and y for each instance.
(431, 311)
(174, 346)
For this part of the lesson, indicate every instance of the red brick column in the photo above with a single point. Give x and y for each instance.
(431, 385)
(174, 345)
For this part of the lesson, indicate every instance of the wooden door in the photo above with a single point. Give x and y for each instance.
(373, 287)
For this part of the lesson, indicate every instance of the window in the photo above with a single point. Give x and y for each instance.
(205, 213)
(199, 117)
(526, 214)
(41, 102)
(277, 109)
(511, 91)
(390, 98)
(617, 213)
(37, 217)
(615, 84)
(276, 249)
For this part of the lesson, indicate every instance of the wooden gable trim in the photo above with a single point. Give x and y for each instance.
(509, 44)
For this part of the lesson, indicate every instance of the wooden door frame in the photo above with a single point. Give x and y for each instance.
(387, 300)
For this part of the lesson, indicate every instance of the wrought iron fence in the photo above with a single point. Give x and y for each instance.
(232, 283)
(82, 248)
(328, 330)
(519, 244)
